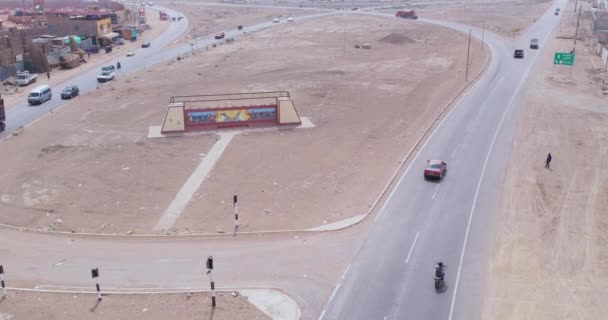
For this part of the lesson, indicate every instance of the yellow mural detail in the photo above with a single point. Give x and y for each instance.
(232, 115)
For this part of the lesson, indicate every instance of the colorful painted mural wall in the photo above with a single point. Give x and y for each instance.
(234, 116)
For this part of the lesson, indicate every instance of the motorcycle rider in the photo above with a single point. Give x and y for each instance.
(118, 65)
(440, 270)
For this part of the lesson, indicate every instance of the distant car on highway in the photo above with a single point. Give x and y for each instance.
(130, 53)
(557, 13)
(70, 92)
(355, 8)
(220, 35)
(145, 45)
(435, 169)
(276, 20)
(534, 44)
(290, 19)
(106, 76)
(518, 54)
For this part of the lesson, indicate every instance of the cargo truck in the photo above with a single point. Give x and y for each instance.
(407, 14)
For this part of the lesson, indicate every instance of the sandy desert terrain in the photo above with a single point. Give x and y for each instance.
(90, 168)
(549, 254)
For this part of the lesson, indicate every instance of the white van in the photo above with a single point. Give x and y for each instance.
(40, 95)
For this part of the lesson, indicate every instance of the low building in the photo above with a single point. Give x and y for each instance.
(99, 25)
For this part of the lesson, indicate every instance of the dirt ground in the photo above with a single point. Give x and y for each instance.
(206, 20)
(503, 17)
(89, 167)
(50, 306)
(550, 253)
(15, 95)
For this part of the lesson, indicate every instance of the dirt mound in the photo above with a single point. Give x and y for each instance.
(396, 38)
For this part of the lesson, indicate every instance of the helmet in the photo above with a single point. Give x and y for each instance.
(440, 264)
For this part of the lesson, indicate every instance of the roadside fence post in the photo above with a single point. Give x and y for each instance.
(210, 273)
(95, 275)
(2, 281)
(466, 77)
(235, 205)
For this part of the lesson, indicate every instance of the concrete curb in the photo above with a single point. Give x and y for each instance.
(271, 301)
(275, 304)
(335, 226)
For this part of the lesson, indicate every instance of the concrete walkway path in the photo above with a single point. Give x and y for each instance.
(183, 197)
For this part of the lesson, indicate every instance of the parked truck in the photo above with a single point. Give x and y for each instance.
(406, 14)
(24, 78)
(2, 115)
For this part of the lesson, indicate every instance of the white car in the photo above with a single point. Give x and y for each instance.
(106, 76)
(276, 20)
(290, 19)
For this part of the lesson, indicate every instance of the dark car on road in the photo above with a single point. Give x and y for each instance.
(70, 92)
(534, 44)
(435, 169)
(145, 45)
(220, 35)
(519, 54)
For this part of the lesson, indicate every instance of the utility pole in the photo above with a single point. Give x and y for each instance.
(577, 24)
(605, 69)
(483, 31)
(466, 77)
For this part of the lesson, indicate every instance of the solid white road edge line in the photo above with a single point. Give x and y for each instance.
(345, 272)
(330, 298)
(412, 248)
(483, 170)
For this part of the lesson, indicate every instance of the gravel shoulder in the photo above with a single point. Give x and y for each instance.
(48, 306)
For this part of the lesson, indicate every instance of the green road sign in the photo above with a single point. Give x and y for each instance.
(564, 58)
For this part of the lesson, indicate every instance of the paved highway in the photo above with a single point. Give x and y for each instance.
(423, 222)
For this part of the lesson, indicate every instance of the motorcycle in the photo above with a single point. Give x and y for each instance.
(440, 277)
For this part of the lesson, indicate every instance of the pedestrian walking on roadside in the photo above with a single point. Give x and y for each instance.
(548, 161)
(89, 55)
(48, 75)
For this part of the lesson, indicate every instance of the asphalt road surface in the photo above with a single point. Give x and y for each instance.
(424, 222)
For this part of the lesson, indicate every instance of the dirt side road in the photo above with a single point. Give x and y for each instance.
(550, 256)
